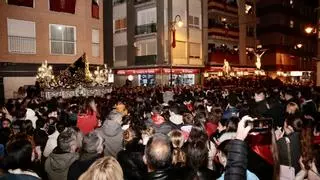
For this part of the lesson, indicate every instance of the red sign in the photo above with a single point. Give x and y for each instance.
(157, 71)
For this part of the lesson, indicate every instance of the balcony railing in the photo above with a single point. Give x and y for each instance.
(215, 24)
(116, 2)
(22, 45)
(146, 60)
(136, 2)
(146, 29)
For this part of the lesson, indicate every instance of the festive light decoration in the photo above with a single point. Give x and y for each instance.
(45, 76)
(100, 76)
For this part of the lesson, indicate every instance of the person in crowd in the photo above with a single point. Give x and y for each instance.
(87, 118)
(112, 134)
(289, 142)
(226, 129)
(18, 161)
(92, 149)
(231, 110)
(27, 127)
(6, 123)
(158, 158)
(175, 116)
(106, 168)
(213, 119)
(308, 107)
(292, 109)
(58, 162)
(53, 134)
(158, 122)
(178, 156)
(146, 134)
(222, 155)
(131, 157)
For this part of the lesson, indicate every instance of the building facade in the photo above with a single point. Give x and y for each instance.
(282, 30)
(33, 31)
(231, 31)
(146, 47)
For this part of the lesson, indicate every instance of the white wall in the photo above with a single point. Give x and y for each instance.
(12, 84)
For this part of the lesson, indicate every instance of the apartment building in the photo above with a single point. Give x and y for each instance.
(231, 31)
(59, 31)
(151, 48)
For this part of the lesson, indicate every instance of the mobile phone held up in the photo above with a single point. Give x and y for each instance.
(260, 125)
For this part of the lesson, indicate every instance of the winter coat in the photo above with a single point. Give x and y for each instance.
(202, 174)
(295, 150)
(87, 122)
(236, 160)
(131, 161)
(112, 135)
(81, 165)
(163, 127)
(58, 163)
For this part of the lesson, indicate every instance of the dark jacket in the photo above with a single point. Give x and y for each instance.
(131, 161)
(10, 176)
(295, 150)
(81, 165)
(201, 174)
(166, 174)
(237, 160)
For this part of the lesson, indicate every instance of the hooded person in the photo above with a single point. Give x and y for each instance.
(175, 117)
(58, 163)
(31, 115)
(112, 134)
(158, 122)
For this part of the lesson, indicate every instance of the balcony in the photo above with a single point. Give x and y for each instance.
(116, 2)
(146, 60)
(146, 29)
(137, 2)
(219, 29)
(22, 45)
(221, 5)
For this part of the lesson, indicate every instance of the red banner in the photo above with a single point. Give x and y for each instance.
(27, 3)
(95, 9)
(67, 6)
(157, 71)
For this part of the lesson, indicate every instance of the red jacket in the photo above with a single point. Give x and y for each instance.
(87, 122)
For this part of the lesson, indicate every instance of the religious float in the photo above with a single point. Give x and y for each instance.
(77, 80)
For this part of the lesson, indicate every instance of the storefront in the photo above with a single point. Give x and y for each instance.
(154, 76)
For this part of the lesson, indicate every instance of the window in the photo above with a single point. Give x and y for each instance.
(67, 6)
(194, 50)
(194, 21)
(179, 52)
(26, 3)
(95, 9)
(291, 24)
(147, 16)
(120, 53)
(62, 39)
(120, 25)
(147, 47)
(21, 36)
(95, 43)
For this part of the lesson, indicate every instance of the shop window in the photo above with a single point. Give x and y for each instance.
(182, 79)
(147, 79)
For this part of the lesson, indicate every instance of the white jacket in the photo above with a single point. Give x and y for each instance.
(51, 144)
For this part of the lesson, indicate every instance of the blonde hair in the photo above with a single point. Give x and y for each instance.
(177, 140)
(292, 108)
(150, 131)
(106, 168)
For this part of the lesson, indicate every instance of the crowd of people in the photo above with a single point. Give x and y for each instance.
(165, 133)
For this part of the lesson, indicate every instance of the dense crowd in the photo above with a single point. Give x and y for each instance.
(162, 133)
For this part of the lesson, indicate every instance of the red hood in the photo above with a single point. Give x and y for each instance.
(157, 119)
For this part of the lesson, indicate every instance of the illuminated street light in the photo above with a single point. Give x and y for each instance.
(299, 45)
(309, 29)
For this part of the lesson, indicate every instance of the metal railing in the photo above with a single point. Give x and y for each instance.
(116, 2)
(22, 45)
(141, 1)
(146, 29)
(146, 60)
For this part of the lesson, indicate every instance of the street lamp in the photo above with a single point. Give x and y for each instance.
(177, 21)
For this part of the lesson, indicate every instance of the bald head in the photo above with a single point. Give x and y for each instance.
(158, 152)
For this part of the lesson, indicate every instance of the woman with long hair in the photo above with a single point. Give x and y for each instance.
(177, 140)
(87, 117)
(106, 168)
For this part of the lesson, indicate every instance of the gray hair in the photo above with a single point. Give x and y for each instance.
(66, 139)
(91, 142)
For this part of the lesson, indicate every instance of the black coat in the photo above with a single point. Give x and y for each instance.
(131, 161)
(237, 161)
(295, 150)
(81, 165)
(202, 174)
